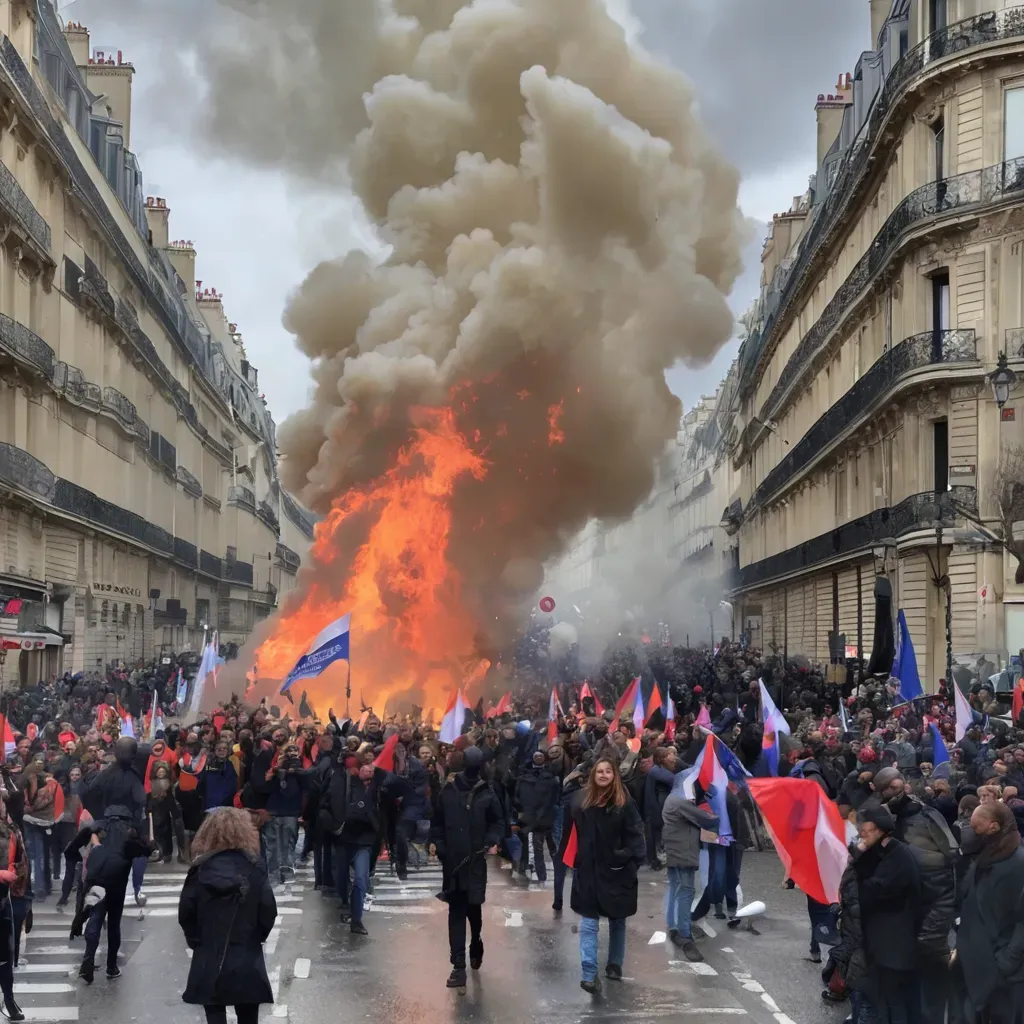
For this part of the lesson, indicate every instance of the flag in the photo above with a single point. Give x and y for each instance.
(386, 758)
(331, 644)
(770, 713)
(670, 720)
(504, 705)
(156, 720)
(454, 717)
(1018, 701)
(844, 718)
(571, 846)
(809, 835)
(554, 706)
(733, 766)
(655, 702)
(703, 718)
(940, 755)
(102, 714)
(9, 743)
(182, 691)
(127, 725)
(208, 665)
(588, 692)
(770, 749)
(628, 698)
(711, 776)
(904, 666)
(965, 713)
(638, 712)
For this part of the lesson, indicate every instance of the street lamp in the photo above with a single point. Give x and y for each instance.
(1002, 379)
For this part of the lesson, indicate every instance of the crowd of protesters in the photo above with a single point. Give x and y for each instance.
(929, 922)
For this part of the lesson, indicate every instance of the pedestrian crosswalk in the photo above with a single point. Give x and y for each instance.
(44, 985)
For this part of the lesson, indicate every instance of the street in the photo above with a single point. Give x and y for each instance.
(530, 971)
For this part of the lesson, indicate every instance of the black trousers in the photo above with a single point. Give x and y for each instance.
(460, 910)
(248, 1013)
(110, 907)
(405, 832)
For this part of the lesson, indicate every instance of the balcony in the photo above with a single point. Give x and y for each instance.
(188, 482)
(186, 553)
(266, 514)
(15, 201)
(989, 27)
(242, 497)
(22, 471)
(164, 452)
(94, 293)
(918, 512)
(211, 565)
(238, 572)
(25, 347)
(117, 404)
(83, 504)
(869, 393)
(298, 515)
(289, 559)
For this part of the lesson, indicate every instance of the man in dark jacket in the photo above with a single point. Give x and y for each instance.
(990, 941)
(934, 848)
(415, 805)
(888, 894)
(467, 823)
(537, 795)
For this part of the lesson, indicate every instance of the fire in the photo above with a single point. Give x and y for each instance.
(410, 631)
(555, 433)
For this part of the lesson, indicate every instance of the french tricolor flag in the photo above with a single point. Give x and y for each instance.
(639, 717)
(454, 718)
(554, 707)
(711, 776)
(670, 720)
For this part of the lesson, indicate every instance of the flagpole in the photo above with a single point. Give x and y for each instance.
(348, 687)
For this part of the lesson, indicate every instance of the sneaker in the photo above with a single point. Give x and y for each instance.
(813, 958)
(87, 971)
(613, 972)
(358, 928)
(457, 979)
(691, 952)
(557, 907)
(593, 987)
(476, 957)
(62, 902)
(673, 936)
(23, 961)
(113, 973)
(140, 899)
(657, 865)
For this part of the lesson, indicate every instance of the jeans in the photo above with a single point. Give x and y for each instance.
(588, 944)
(36, 846)
(138, 874)
(539, 839)
(460, 910)
(111, 907)
(348, 856)
(723, 879)
(823, 925)
(681, 888)
(281, 835)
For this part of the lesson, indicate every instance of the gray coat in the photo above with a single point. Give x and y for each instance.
(683, 821)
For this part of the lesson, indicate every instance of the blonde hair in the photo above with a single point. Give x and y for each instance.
(227, 828)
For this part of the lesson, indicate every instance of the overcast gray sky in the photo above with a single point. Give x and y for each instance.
(758, 64)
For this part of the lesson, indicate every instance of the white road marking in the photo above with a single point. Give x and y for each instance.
(55, 950)
(272, 940)
(50, 1013)
(41, 988)
(707, 929)
(418, 909)
(280, 1011)
(657, 939)
(513, 919)
(50, 933)
(173, 911)
(401, 897)
(47, 969)
(302, 966)
(726, 949)
(696, 968)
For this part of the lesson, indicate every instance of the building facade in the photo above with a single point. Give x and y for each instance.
(140, 503)
(869, 440)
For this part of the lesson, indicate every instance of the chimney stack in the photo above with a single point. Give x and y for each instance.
(829, 110)
(158, 215)
(110, 75)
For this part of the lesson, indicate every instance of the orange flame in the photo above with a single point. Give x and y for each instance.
(410, 633)
(555, 433)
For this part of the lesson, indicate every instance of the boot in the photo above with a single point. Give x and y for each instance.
(12, 1011)
(88, 969)
(476, 955)
(457, 979)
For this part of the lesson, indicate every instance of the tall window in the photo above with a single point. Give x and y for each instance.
(936, 15)
(1013, 124)
(940, 311)
(940, 447)
(939, 148)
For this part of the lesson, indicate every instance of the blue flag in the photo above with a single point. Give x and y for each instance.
(940, 755)
(330, 645)
(904, 666)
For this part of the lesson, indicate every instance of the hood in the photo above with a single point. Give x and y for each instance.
(225, 871)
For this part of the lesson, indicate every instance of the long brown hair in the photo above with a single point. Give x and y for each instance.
(614, 795)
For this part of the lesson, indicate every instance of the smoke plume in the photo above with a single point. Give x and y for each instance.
(561, 233)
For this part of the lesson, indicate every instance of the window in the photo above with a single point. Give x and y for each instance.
(940, 448)
(1013, 124)
(938, 148)
(904, 42)
(936, 15)
(940, 310)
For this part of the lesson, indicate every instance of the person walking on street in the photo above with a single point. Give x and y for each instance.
(226, 910)
(610, 850)
(467, 823)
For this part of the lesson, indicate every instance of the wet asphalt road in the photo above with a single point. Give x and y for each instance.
(531, 968)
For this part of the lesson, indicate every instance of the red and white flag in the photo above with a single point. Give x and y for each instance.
(670, 720)
(628, 698)
(554, 709)
(454, 718)
(588, 692)
(809, 834)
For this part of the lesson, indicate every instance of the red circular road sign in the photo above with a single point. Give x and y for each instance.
(547, 605)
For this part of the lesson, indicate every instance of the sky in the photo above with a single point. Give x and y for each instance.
(758, 66)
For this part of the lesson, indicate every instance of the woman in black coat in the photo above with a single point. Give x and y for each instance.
(610, 849)
(226, 911)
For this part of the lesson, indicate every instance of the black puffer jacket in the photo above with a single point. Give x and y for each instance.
(467, 822)
(925, 831)
(537, 795)
(849, 956)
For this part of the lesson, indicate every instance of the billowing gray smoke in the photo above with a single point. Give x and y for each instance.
(561, 233)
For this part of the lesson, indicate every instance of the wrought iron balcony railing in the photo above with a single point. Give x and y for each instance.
(14, 198)
(289, 559)
(211, 565)
(298, 515)
(242, 497)
(980, 30)
(867, 394)
(190, 484)
(238, 572)
(26, 347)
(918, 512)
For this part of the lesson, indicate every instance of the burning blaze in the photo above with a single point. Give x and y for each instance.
(555, 433)
(410, 632)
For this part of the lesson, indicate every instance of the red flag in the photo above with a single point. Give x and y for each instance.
(569, 857)
(809, 835)
(628, 699)
(670, 720)
(386, 758)
(504, 705)
(1018, 700)
(8, 733)
(588, 692)
(654, 703)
